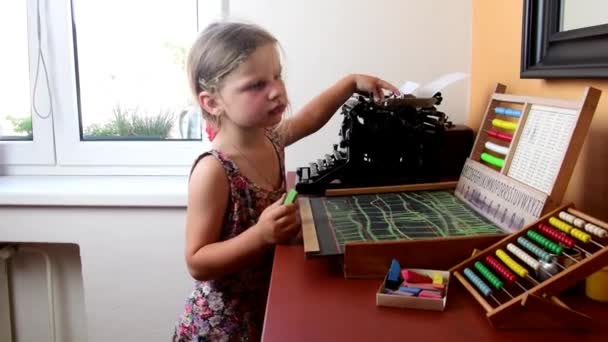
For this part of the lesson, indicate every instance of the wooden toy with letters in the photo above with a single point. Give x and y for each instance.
(524, 155)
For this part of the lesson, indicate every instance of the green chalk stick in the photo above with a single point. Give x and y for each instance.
(490, 159)
(291, 196)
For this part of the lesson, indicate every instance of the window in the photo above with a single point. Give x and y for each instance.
(15, 117)
(25, 138)
(117, 94)
(132, 82)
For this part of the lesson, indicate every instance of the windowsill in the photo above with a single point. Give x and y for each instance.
(112, 191)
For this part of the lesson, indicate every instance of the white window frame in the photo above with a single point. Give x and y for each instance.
(41, 149)
(57, 148)
(72, 151)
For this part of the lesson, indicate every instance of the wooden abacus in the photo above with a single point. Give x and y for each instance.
(514, 299)
(524, 155)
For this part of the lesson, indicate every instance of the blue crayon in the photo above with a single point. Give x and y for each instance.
(393, 279)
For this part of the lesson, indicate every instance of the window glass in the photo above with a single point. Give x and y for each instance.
(130, 65)
(15, 117)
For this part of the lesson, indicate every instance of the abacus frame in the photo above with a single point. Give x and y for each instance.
(538, 307)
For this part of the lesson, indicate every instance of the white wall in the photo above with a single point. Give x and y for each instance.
(397, 40)
(134, 280)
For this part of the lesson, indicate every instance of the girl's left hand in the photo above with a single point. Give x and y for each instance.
(374, 85)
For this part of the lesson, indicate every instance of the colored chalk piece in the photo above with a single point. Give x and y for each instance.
(508, 111)
(393, 278)
(402, 293)
(430, 294)
(492, 160)
(508, 125)
(291, 196)
(414, 278)
(501, 136)
(413, 290)
(424, 286)
(437, 278)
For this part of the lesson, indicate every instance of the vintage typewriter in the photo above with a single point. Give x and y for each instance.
(400, 140)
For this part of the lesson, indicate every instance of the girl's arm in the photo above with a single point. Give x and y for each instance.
(206, 256)
(317, 112)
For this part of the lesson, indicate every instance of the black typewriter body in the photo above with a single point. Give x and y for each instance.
(400, 140)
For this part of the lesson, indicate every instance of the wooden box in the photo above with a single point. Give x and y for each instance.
(403, 302)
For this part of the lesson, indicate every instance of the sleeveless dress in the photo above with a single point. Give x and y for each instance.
(232, 308)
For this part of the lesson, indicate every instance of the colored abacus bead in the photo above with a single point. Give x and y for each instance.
(492, 279)
(580, 223)
(556, 235)
(543, 241)
(512, 264)
(481, 286)
(561, 225)
(503, 271)
(571, 219)
(595, 230)
(523, 256)
(539, 252)
(581, 235)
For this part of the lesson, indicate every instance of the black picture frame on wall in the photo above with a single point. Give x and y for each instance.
(548, 53)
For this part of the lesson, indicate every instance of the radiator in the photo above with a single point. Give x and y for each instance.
(6, 253)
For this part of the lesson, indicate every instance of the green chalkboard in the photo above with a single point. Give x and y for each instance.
(393, 216)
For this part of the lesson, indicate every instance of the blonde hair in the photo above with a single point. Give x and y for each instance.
(219, 49)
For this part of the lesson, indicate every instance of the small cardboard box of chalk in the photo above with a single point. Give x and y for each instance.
(414, 288)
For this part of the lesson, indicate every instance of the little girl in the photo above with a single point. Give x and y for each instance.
(235, 213)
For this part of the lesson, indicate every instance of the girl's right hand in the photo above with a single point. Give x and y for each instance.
(279, 223)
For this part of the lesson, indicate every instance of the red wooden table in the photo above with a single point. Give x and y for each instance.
(309, 300)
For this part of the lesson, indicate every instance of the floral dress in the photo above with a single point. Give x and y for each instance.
(232, 308)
